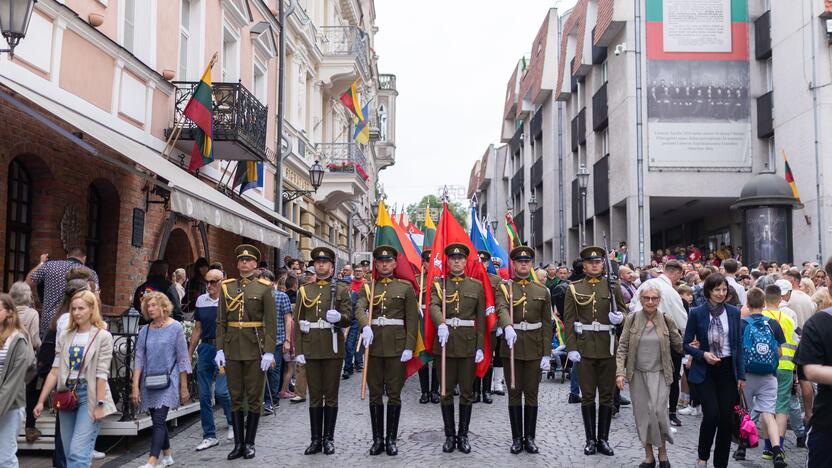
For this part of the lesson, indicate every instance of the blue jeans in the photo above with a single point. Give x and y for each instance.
(573, 381)
(206, 375)
(274, 376)
(78, 432)
(796, 417)
(352, 358)
(9, 425)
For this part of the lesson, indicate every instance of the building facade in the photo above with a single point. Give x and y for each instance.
(97, 87)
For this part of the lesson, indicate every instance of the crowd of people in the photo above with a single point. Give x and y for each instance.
(688, 337)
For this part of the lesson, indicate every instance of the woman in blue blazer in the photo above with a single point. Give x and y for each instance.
(714, 338)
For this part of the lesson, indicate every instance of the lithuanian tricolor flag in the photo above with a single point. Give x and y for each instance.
(513, 236)
(790, 178)
(350, 100)
(200, 110)
(430, 230)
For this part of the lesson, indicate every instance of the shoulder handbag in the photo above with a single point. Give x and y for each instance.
(159, 381)
(67, 400)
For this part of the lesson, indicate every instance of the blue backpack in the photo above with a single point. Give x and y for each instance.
(759, 346)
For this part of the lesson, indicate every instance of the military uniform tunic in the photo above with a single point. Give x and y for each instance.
(465, 301)
(393, 299)
(323, 363)
(532, 309)
(588, 301)
(246, 329)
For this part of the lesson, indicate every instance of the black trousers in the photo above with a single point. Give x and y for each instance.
(159, 439)
(428, 381)
(718, 395)
(674, 387)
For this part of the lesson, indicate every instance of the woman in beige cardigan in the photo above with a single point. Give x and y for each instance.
(85, 343)
(644, 360)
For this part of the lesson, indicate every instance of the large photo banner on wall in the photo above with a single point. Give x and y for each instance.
(698, 111)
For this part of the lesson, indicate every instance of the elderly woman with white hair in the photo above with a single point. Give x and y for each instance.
(644, 359)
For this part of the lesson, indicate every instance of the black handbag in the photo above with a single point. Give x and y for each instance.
(158, 381)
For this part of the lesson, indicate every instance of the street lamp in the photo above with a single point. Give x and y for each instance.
(14, 21)
(129, 330)
(316, 176)
(532, 208)
(583, 181)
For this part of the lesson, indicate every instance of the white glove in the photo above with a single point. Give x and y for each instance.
(219, 359)
(407, 355)
(499, 332)
(573, 356)
(333, 316)
(616, 317)
(300, 359)
(478, 357)
(442, 333)
(266, 361)
(544, 363)
(511, 336)
(367, 336)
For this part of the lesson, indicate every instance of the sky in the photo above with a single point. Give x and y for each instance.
(452, 60)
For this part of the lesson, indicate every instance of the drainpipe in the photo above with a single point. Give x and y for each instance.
(818, 166)
(639, 138)
(561, 218)
(281, 74)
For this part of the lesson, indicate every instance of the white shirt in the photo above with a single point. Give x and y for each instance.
(784, 308)
(671, 303)
(63, 322)
(76, 352)
(738, 288)
(802, 305)
(726, 341)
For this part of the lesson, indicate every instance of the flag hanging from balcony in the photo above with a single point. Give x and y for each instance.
(248, 175)
(362, 127)
(350, 100)
(200, 111)
(790, 178)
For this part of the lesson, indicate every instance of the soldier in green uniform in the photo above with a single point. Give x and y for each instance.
(590, 342)
(428, 381)
(530, 334)
(320, 347)
(461, 333)
(246, 327)
(393, 329)
(482, 386)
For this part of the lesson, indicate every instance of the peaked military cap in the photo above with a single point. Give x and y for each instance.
(592, 252)
(484, 255)
(456, 249)
(523, 252)
(365, 263)
(385, 252)
(247, 250)
(426, 255)
(322, 253)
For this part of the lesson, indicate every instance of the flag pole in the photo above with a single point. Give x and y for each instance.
(177, 127)
(511, 321)
(367, 348)
(443, 390)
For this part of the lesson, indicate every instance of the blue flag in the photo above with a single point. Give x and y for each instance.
(495, 248)
(478, 237)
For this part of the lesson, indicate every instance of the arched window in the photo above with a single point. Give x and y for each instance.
(93, 227)
(18, 223)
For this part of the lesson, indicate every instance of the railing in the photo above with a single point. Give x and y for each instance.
(238, 115)
(765, 115)
(343, 157)
(599, 109)
(762, 36)
(536, 173)
(345, 40)
(386, 82)
(537, 227)
(517, 181)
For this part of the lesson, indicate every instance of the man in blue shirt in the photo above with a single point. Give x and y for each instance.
(203, 334)
(284, 312)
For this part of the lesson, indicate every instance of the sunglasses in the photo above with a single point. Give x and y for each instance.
(214, 281)
(650, 299)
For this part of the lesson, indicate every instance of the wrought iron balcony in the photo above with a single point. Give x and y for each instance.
(343, 157)
(386, 82)
(345, 41)
(240, 121)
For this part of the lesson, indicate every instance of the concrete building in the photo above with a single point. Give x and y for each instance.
(95, 88)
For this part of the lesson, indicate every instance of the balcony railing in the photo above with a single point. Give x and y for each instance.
(765, 115)
(517, 181)
(599, 109)
(386, 82)
(345, 41)
(239, 117)
(344, 157)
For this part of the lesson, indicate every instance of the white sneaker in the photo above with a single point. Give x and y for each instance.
(96, 455)
(688, 411)
(207, 443)
(147, 465)
(230, 435)
(167, 460)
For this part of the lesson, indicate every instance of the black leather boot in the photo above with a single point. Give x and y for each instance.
(588, 414)
(330, 416)
(477, 390)
(515, 417)
(424, 384)
(604, 421)
(238, 423)
(377, 423)
(486, 386)
(393, 413)
(529, 426)
(462, 434)
(316, 416)
(252, 421)
(450, 427)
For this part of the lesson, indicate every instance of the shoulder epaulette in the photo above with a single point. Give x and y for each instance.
(403, 281)
(476, 280)
(229, 280)
(264, 281)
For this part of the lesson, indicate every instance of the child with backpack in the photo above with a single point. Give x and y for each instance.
(762, 338)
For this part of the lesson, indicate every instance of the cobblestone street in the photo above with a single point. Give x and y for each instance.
(560, 437)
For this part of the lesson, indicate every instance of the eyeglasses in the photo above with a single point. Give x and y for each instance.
(650, 299)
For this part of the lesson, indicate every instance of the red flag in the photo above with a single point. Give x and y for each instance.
(450, 231)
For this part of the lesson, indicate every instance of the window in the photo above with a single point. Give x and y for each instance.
(604, 72)
(260, 82)
(184, 39)
(137, 20)
(605, 142)
(230, 56)
(129, 24)
(772, 155)
(93, 226)
(769, 74)
(18, 223)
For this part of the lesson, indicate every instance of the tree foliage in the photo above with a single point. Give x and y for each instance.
(416, 211)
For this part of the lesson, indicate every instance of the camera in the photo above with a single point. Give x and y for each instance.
(620, 48)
